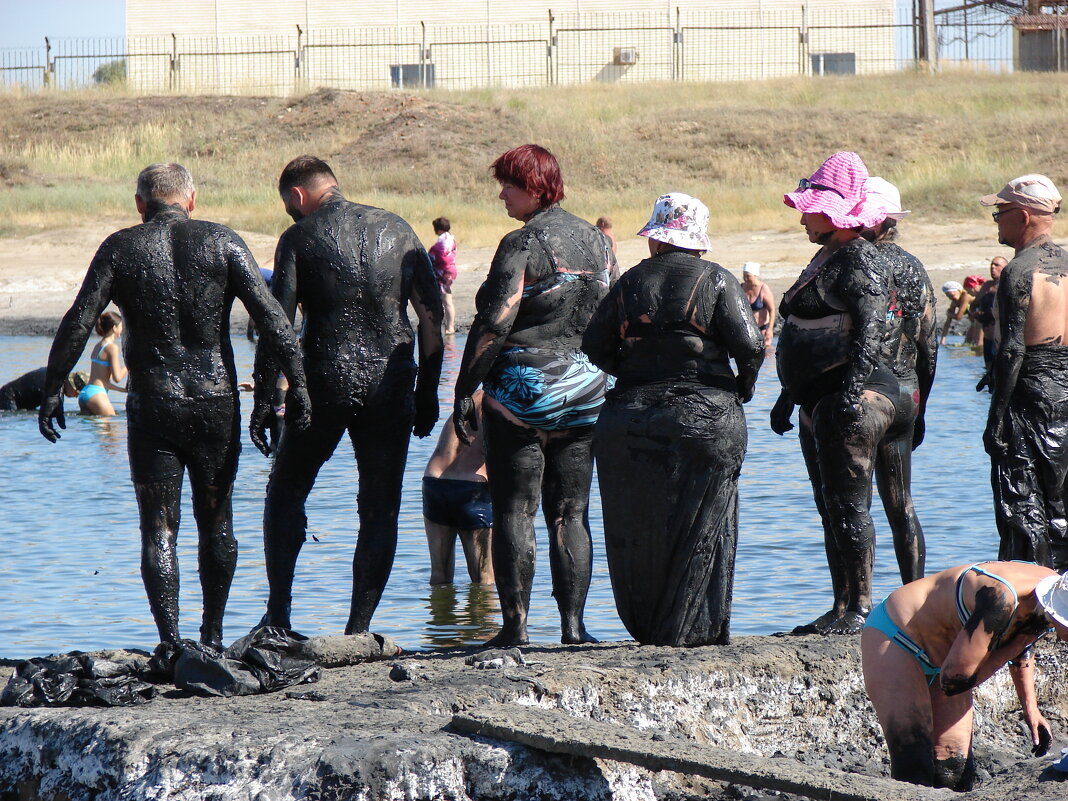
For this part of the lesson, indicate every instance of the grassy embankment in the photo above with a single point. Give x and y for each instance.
(67, 158)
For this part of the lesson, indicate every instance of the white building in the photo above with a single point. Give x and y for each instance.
(282, 46)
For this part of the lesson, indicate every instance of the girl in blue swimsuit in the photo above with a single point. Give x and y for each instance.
(107, 368)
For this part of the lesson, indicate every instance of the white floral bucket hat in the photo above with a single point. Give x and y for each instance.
(679, 220)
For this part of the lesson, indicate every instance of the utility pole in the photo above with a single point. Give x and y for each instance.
(928, 40)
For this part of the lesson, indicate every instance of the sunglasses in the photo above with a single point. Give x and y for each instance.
(997, 214)
(805, 183)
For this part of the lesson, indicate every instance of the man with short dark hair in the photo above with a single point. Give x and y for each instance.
(1027, 429)
(174, 279)
(353, 269)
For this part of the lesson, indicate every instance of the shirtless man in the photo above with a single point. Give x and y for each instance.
(931, 642)
(1027, 429)
(982, 311)
(354, 269)
(26, 391)
(174, 280)
(456, 501)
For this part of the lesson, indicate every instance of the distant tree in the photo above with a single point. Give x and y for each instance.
(111, 72)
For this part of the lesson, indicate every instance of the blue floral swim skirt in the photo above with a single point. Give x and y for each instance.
(547, 390)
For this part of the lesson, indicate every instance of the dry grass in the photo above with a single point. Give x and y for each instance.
(943, 139)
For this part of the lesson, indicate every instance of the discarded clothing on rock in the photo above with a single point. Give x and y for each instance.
(78, 679)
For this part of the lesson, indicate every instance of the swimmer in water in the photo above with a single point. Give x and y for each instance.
(106, 368)
(829, 364)
(354, 269)
(542, 393)
(456, 502)
(175, 279)
(960, 300)
(1027, 428)
(761, 301)
(27, 391)
(932, 642)
(671, 435)
(909, 349)
(983, 313)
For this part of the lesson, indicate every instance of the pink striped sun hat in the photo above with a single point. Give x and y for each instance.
(837, 190)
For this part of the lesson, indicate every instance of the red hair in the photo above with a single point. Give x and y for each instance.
(533, 169)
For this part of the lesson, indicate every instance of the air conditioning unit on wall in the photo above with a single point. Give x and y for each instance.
(624, 56)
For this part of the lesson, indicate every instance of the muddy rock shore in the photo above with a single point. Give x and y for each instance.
(795, 706)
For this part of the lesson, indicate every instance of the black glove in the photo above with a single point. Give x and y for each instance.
(51, 409)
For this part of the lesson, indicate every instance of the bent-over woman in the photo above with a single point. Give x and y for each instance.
(829, 363)
(671, 436)
(106, 367)
(542, 394)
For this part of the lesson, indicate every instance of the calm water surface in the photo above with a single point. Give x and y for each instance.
(70, 558)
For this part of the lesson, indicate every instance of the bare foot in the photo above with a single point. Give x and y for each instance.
(849, 623)
(508, 637)
(572, 637)
(821, 624)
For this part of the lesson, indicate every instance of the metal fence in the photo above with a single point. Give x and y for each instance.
(695, 46)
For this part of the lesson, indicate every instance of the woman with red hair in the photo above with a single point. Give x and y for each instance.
(542, 394)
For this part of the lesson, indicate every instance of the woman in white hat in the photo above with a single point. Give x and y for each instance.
(930, 643)
(671, 435)
(909, 349)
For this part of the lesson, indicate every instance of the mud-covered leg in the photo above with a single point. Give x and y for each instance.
(893, 476)
(515, 463)
(380, 439)
(159, 507)
(565, 504)
(300, 456)
(954, 761)
(217, 555)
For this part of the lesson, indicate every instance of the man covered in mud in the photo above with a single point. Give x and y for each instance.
(174, 280)
(1027, 428)
(930, 643)
(909, 349)
(354, 269)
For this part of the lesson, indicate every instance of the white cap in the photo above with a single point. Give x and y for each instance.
(1052, 594)
(882, 194)
(751, 267)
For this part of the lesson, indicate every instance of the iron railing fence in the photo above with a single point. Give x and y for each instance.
(567, 49)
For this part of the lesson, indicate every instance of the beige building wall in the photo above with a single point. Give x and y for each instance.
(286, 46)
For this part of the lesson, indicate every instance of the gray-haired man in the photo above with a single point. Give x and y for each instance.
(174, 280)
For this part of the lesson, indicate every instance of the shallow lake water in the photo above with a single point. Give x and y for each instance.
(69, 543)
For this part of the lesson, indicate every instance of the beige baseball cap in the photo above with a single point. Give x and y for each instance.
(1035, 192)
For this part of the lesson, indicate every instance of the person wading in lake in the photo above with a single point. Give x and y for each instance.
(983, 313)
(671, 435)
(354, 269)
(829, 364)
(174, 280)
(932, 642)
(909, 349)
(1027, 428)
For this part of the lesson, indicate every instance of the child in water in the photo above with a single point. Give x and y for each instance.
(443, 258)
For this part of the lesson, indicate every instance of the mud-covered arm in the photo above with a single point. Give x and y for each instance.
(603, 337)
(733, 323)
(1022, 671)
(863, 285)
(426, 302)
(926, 358)
(73, 333)
(496, 307)
(1013, 299)
(971, 659)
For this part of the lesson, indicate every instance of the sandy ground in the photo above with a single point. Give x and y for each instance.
(40, 273)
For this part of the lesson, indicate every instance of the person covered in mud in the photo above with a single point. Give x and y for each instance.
(910, 350)
(27, 391)
(761, 300)
(106, 368)
(174, 279)
(354, 269)
(983, 309)
(829, 363)
(457, 503)
(1027, 429)
(671, 436)
(932, 642)
(542, 394)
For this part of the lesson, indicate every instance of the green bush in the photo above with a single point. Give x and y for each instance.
(111, 72)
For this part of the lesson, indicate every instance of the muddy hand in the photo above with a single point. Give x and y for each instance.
(426, 411)
(780, 415)
(298, 408)
(464, 412)
(257, 427)
(1040, 743)
(51, 409)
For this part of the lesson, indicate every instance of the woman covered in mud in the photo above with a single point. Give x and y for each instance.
(542, 394)
(106, 369)
(828, 360)
(671, 436)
